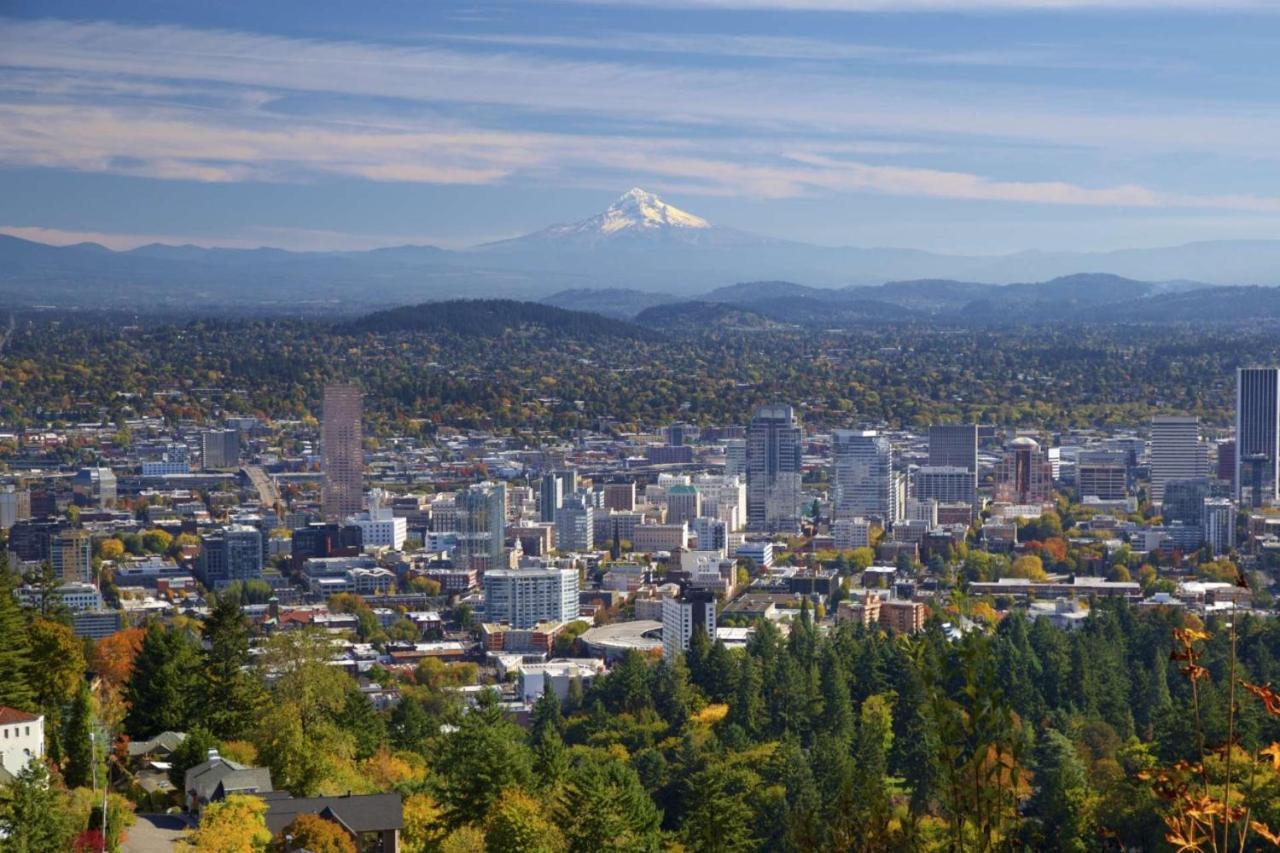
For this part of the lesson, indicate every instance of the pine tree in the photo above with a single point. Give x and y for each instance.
(34, 814)
(230, 697)
(162, 692)
(76, 741)
(608, 809)
(15, 651)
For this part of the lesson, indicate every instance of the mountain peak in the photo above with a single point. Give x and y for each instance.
(638, 208)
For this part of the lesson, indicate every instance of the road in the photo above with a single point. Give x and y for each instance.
(155, 833)
(268, 494)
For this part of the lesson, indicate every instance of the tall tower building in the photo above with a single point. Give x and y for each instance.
(1025, 474)
(482, 526)
(342, 440)
(1257, 434)
(863, 482)
(773, 469)
(956, 446)
(1176, 452)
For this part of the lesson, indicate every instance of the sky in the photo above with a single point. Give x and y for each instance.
(969, 126)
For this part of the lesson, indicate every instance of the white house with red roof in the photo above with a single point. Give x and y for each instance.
(21, 739)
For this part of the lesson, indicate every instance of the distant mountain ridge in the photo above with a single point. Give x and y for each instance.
(638, 244)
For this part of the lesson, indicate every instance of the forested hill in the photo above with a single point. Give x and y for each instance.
(481, 318)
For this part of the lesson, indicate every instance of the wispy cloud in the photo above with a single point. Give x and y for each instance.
(200, 105)
(248, 237)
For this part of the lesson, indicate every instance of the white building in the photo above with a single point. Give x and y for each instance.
(1219, 524)
(74, 596)
(21, 739)
(695, 609)
(863, 478)
(1176, 452)
(534, 678)
(522, 598)
(381, 528)
(851, 533)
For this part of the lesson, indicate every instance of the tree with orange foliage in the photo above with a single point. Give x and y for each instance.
(317, 835)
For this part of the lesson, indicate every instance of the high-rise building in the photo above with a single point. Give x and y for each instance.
(773, 469)
(1257, 434)
(482, 526)
(220, 448)
(954, 445)
(1102, 474)
(684, 503)
(1025, 474)
(71, 553)
(1184, 501)
(946, 484)
(620, 496)
(94, 486)
(550, 496)
(232, 554)
(1176, 452)
(735, 457)
(863, 484)
(342, 439)
(15, 506)
(1219, 524)
(522, 598)
(575, 524)
(694, 610)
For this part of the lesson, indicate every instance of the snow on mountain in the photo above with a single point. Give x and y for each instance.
(634, 209)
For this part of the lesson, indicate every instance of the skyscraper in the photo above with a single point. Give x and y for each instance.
(1257, 434)
(482, 526)
(1025, 474)
(863, 484)
(342, 440)
(956, 446)
(550, 496)
(773, 469)
(1176, 452)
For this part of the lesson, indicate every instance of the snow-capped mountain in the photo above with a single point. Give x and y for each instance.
(637, 217)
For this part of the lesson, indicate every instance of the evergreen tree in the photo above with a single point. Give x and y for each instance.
(230, 696)
(162, 692)
(673, 695)
(1061, 799)
(193, 750)
(717, 818)
(483, 758)
(15, 652)
(359, 719)
(77, 744)
(34, 814)
(609, 809)
(410, 725)
(545, 715)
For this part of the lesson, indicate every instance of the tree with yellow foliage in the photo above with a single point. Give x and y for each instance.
(235, 825)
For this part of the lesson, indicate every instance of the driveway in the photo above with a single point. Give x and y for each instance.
(155, 833)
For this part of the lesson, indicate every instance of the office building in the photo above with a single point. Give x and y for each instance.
(694, 610)
(684, 503)
(15, 506)
(1257, 435)
(220, 448)
(946, 484)
(231, 554)
(620, 496)
(94, 487)
(1184, 501)
(380, 527)
(1219, 524)
(522, 598)
(955, 446)
(481, 526)
(735, 457)
(863, 484)
(1024, 476)
(713, 534)
(550, 496)
(1176, 452)
(773, 470)
(71, 553)
(342, 440)
(1102, 474)
(850, 533)
(575, 524)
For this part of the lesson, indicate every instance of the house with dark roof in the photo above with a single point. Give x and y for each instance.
(218, 778)
(373, 821)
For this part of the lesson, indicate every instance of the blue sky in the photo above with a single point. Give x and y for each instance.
(954, 125)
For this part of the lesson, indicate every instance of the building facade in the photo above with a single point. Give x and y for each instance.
(773, 469)
(342, 439)
(1257, 444)
(522, 598)
(862, 479)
